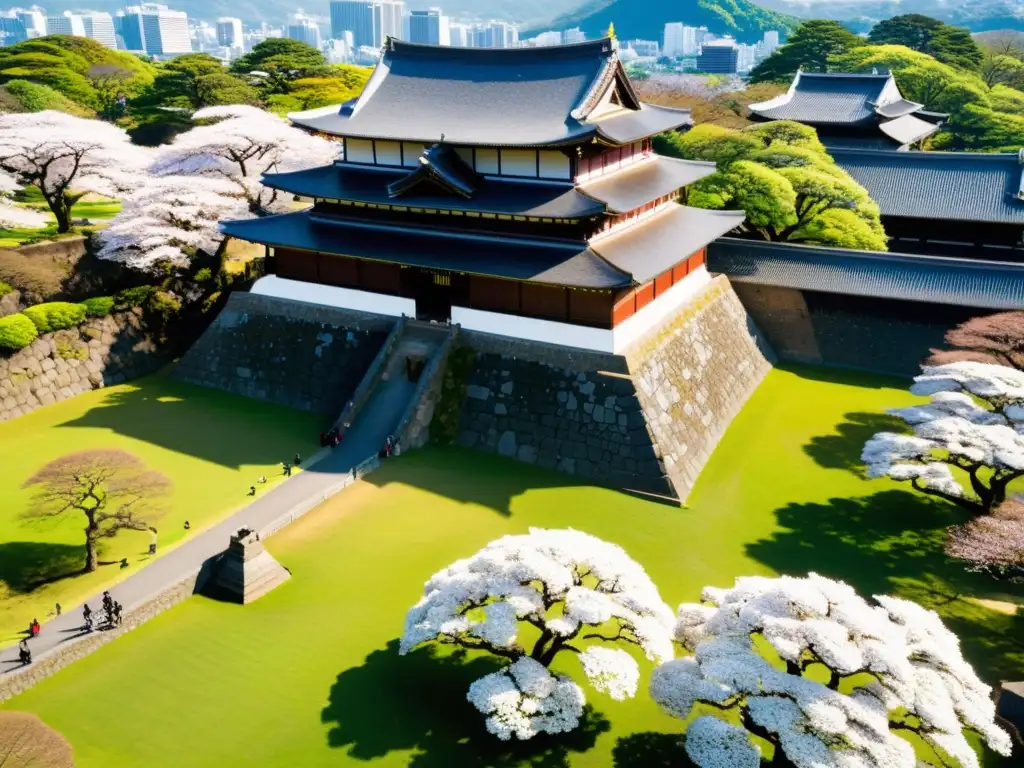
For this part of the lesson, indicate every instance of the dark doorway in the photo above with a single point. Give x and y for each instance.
(435, 291)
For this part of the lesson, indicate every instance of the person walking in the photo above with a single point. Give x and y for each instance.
(24, 652)
(188, 525)
(252, 490)
(298, 459)
(287, 469)
(34, 628)
(58, 609)
(87, 614)
(118, 608)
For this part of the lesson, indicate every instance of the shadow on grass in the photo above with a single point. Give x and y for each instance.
(892, 543)
(838, 375)
(842, 450)
(470, 476)
(218, 427)
(417, 704)
(651, 750)
(27, 565)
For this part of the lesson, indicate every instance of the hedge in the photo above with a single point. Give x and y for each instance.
(133, 297)
(98, 306)
(55, 315)
(17, 332)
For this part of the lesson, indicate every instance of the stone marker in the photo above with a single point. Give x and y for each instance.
(246, 570)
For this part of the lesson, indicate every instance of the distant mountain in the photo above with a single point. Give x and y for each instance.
(976, 15)
(646, 19)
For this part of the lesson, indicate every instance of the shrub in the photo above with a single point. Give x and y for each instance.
(164, 304)
(5, 288)
(98, 306)
(17, 332)
(203, 275)
(55, 316)
(133, 297)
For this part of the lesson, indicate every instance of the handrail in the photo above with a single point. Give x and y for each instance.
(370, 378)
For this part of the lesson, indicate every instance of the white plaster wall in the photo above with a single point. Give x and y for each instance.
(518, 162)
(661, 309)
(389, 153)
(554, 165)
(532, 329)
(331, 296)
(411, 153)
(359, 151)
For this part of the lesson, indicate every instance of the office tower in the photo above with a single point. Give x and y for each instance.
(719, 57)
(229, 32)
(371, 21)
(67, 23)
(303, 29)
(34, 21)
(645, 48)
(12, 30)
(429, 26)
(771, 41)
(390, 20)
(459, 35)
(690, 42)
(672, 40)
(100, 27)
(574, 35)
(496, 34)
(154, 29)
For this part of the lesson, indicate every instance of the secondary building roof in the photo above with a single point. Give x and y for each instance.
(939, 280)
(908, 129)
(495, 97)
(356, 184)
(648, 248)
(831, 99)
(644, 181)
(541, 261)
(962, 186)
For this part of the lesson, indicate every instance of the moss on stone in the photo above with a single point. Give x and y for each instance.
(444, 427)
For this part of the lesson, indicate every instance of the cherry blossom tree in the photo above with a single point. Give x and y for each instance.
(68, 157)
(974, 424)
(12, 215)
(569, 587)
(824, 676)
(241, 145)
(993, 544)
(169, 219)
(997, 339)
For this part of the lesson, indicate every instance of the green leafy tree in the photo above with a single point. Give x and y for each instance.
(280, 55)
(780, 175)
(810, 47)
(337, 84)
(948, 44)
(194, 81)
(1002, 69)
(36, 97)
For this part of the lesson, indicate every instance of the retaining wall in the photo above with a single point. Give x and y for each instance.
(303, 356)
(56, 366)
(646, 421)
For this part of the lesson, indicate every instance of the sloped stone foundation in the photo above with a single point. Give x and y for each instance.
(645, 421)
(304, 356)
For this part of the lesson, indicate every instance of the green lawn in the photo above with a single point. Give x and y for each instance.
(211, 444)
(309, 675)
(90, 207)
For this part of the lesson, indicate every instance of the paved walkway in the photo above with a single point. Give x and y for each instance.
(377, 419)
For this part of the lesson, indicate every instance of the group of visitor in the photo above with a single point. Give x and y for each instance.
(24, 652)
(112, 609)
(288, 467)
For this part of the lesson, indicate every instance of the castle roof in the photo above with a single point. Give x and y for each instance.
(645, 181)
(964, 186)
(834, 99)
(548, 96)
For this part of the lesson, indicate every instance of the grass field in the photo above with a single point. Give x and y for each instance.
(90, 207)
(309, 675)
(211, 444)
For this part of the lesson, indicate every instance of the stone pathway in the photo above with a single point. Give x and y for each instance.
(377, 419)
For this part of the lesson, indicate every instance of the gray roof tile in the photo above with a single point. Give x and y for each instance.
(488, 97)
(644, 181)
(964, 186)
(940, 280)
(648, 248)
(551, 262)
(827, 99)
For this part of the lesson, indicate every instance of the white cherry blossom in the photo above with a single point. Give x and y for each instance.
(891, 656)
(974, 422)
(572, 588)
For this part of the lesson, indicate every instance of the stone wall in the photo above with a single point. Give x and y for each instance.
(304, 356)
(646, 421)
(56, 366)
(883, 335)
(10, 303)
(413, 430)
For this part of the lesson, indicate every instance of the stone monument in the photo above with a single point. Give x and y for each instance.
(246, 570)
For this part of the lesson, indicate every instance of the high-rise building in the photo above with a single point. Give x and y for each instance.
(690, 42)
(771, 41)
(496, 34)
(459, 35)
(229, 32)
(370, 21)
(33, 19)
(574, 35)
(12, 30)
(154, 29)
(303, 29)
(66, 23)
(645, 48)
(719, 57)
(672, 40)
(429, 26)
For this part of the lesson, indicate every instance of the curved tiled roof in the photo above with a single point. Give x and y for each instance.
(908, 129)
(827, 99)
(933, 279)
(358, 184)
(510, 97)
(642, 182)
(898, 108)
(963, 186)
(544, 261)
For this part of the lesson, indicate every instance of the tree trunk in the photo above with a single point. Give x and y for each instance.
(91, 553)
(62, 211)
